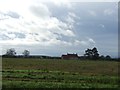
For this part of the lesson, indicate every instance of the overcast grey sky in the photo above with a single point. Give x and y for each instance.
(59, 27)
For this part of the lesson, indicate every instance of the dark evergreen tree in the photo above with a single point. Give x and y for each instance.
(95, 53)
(88, 53)
(108, 57)
(102, 57)
(91, 53)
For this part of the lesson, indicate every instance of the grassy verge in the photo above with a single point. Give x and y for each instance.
(46, 73)
(55, 79)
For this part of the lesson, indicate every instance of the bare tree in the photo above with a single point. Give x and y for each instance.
(26, 53)
(11, 52)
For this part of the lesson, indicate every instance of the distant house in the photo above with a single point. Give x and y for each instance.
(70, 56)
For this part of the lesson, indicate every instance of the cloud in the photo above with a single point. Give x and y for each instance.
(93, 13)
(93, 0)
(87, 42)
(13, 14)
(62, 3)
(90, 40)
(71, 19)
(102, 26)
(108, 12)
(2, 16)
(36, 26)
(40, 11)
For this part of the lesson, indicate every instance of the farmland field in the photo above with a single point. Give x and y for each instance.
(57, 73)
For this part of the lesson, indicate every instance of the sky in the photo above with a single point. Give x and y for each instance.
(56, 27)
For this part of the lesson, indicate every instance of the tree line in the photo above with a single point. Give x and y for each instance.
(12, 53)
(92, 54)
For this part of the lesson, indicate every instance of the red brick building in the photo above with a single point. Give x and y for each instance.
(70, 56)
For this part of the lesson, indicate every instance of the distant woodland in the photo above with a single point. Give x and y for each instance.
(91, 54)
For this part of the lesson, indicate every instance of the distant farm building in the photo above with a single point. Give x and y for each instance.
(70, 56)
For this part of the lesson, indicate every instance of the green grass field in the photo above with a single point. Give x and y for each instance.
(47, 73)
